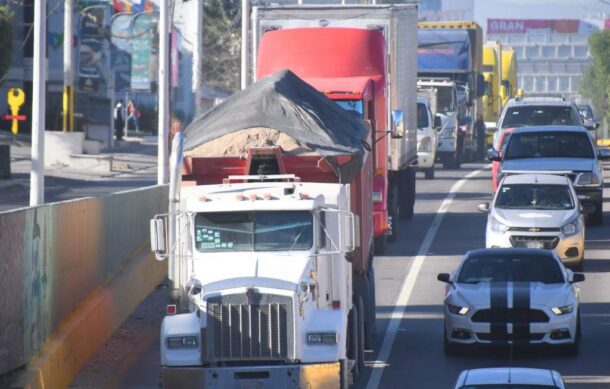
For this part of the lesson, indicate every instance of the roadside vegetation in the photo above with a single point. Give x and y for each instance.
(595, 83)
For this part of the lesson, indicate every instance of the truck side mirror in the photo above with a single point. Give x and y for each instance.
(351, 233)
(480, 85)
(159, 237)
(438, 122)
(398, 124)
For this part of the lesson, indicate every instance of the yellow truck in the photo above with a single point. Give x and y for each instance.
(509, 74)
(492, 74)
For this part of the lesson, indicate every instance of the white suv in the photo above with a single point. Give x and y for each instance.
(537, 211)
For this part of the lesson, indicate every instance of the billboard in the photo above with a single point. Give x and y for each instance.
(524, 26)
(94, 50)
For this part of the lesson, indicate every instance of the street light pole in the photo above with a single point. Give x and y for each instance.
(163, 94)
(198, 54)
(245, 19)
(68, 97)
(38, 103)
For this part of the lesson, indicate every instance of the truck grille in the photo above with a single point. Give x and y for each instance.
(543, 242)
(238, 331)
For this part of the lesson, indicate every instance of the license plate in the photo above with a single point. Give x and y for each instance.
(534, 245)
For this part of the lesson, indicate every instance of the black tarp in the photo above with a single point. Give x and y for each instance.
(286, 103)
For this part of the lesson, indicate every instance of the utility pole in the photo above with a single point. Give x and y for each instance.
(245, 19)
(38, 103)
(68, 97)
(198, 55)
(163, 93)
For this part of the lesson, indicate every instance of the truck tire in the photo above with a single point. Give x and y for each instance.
(597, 217)
(361, 314)
(352, 341)
(393, 212)
(406, 193)
(429, 173)
(370, 327)
(448, 161)
(380, 244)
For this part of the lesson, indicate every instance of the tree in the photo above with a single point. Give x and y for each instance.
(6, 40)
(595, 83)
(222, 44)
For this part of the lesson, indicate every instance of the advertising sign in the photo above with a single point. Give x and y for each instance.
(142, 55)
(523, 26)
(94, 50)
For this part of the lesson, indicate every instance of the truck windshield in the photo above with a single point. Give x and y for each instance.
(541, 115)
(549, 145)
(525, 196)
(253, 231)
(444, 99)
(355, 107)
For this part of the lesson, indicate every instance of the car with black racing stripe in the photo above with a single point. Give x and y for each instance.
(515, 296)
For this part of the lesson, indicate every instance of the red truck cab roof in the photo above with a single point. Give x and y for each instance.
(336, 61)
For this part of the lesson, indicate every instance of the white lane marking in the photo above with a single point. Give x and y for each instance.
(409, 282)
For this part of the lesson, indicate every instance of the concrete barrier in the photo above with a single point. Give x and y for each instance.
(70, 273)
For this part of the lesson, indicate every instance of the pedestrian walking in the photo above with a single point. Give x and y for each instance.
(119, 121)
(132, 115)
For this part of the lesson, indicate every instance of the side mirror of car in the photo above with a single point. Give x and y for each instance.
(484, 207)
(603, 154)
(493, 155)
(587, 209)
(438, 123)
(590, 126)
(443, 277)
(577, 277)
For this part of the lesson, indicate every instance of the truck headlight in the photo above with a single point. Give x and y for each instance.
(425, 145)
(570, 229)
(587, 179)
(563, 310)
(377, 197)
(457, 310)
(322, 338)
(189, 341)
(497, 226)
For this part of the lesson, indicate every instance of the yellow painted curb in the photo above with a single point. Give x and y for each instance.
(82, 333)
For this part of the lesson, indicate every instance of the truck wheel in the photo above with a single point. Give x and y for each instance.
(352, 341)
(429, 173)
(380, 243)
(393, 212)
(406, 193)
(597, 217)
(361, 314)
(370, 326)
(447, 161)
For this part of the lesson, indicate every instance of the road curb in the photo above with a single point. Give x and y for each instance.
(86, 329)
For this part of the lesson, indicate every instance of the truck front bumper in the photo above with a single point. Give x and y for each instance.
(319, 375)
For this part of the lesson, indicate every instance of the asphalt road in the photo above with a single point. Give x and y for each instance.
(409, 352)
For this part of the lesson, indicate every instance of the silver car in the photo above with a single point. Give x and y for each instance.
(538, 211)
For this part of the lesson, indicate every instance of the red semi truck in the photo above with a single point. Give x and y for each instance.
(349, 59)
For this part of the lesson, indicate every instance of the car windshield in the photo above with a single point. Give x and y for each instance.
(422, 116)
(253, 231)
(549, 145)
(516, 268)
(534, 196)
(540, 116)
(508, 386)
(355, 107)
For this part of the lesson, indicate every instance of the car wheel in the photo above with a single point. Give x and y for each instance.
(429, 173)
(597, 217)
(450, 349)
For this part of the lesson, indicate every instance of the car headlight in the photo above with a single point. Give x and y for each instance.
(425, 145)
(377, 197)
(563, 310)
(497, 226)
(448, 132)
(322, 338)
(189, 341)
(570, 228)
(587, 179)
(457, 310)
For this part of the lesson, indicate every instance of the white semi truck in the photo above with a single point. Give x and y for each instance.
(262, 240)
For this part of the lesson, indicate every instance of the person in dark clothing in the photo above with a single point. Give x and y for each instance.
(119, 120)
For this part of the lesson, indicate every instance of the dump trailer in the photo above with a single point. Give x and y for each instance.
(270, 214)
(492, 99)
(509, 74)
(347, 53)
(453, 51)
